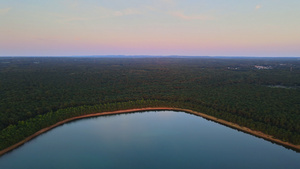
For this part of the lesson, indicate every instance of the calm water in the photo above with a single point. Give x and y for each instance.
(163, 139)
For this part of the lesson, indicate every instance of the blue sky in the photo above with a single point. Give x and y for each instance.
(150, 27)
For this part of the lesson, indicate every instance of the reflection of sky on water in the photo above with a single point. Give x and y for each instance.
(163, 139)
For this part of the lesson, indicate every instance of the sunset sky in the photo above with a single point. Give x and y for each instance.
(150, 27)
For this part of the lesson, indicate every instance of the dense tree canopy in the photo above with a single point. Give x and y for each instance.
(265, 98)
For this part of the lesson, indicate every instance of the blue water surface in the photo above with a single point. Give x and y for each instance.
(162, 139)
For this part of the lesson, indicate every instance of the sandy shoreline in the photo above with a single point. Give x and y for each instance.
(226, 123)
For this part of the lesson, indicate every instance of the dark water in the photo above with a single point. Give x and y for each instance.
(163, 139)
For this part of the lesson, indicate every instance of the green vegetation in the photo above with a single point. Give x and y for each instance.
(38, 92)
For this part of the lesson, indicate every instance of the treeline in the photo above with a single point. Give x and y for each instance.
(228, 88)
(15, 133)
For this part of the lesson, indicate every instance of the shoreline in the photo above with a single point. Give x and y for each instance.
(220, 121)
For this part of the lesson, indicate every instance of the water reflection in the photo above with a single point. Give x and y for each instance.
(163, 139)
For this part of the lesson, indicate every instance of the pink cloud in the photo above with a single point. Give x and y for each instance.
(257, 7)
(183, 16)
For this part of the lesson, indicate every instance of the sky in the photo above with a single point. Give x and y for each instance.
(150, 27)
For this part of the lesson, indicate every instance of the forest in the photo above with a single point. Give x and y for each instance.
(259, 93)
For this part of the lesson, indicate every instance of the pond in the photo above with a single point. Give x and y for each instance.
(152, 139)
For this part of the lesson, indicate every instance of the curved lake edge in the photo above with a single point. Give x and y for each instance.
(208, 117)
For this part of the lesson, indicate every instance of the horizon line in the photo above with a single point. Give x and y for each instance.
(195, 56)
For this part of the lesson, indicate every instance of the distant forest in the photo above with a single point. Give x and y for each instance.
(259, 93)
